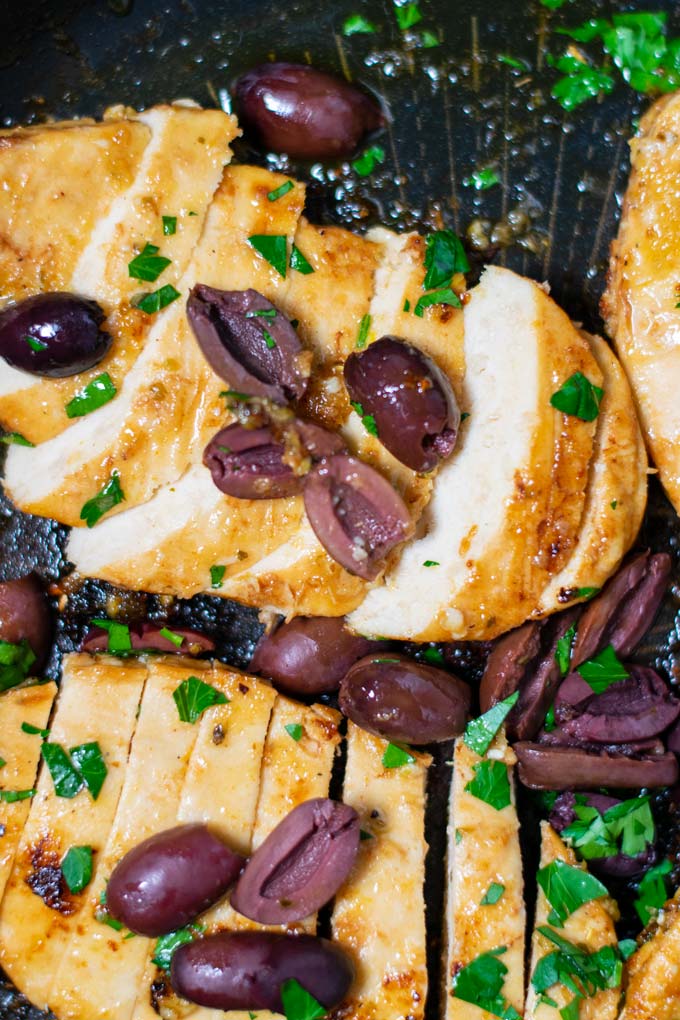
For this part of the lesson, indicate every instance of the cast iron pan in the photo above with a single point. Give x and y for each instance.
(454, 108)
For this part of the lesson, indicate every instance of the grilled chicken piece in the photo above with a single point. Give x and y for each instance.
(591, 926)
(20, 753)
(379, 914)
(507, 507)
(129, 172)
(651, 974)
(640, 303)
(168, 405)
(38, 914)
(483, 849)
(617, 490)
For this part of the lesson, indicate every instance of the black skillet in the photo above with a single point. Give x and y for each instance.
(454, 108)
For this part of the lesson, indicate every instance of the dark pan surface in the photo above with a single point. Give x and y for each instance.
(454, 108)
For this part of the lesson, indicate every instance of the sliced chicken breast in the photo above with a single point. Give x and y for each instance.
(507, 507)
(175, 175)
(640, 306)
(98, 701)
(591, 926)
(483, 862)
(652, 974)
(20, 753)
(379, 914)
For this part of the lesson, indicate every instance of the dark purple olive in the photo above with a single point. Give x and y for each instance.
(414, 407)
(53, 335)
(268, 462)
(148, 637)
(399, 699)
(310, 655)
(539, 686)
(256, 354)
(306, 113)
(166, 881)
(618, 865)
(570, 768)
(634, 709)
(245, 970)
(301, 864)
(508, 662)
(25, 615)
(355, 513)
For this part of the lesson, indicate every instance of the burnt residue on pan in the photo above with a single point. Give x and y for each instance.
(454, 108)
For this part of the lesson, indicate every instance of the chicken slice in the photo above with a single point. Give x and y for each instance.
(101, 969)
(617, 490)
(176, 175)
(20, 753)
(652, 973)
(640, 306)
(483, 855)
(507, 506)
(98, 701)
(590, 927)
(168, 405)
(379, 914)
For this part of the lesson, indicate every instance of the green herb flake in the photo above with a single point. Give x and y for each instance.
(553, 5)
(252, 1016)
(194, 696)
(299, 263)
(148, 265)
(567, 888)
(652, 891)
(428, 40)
(157, 299)
(636, 42)
(169, 226)
(76, 867)
(298, 1004)
(626, 828)
(458, 836)
(279, 192)
(491, 784)
(269, 339)
(395, 756)
(273, 248)
(445, 296)
(119, 641)
(571, 1011)
(294, 730)
(627, 947)
(65, 777)
(464, 416)
(578, 397)
(240, 398)
(482, 180)
(407, 15)
(563, 650)
(34, 731)
(108, 497)
(262, 313)
(444, 257)
(480, 732)
(34, 344)
(516, 63)
(97, 393)
(16, 439)
(167, 945)
(603, 670)
(362, 335)
(580, 82)
(492, 894)
(433, 656)
(89, 761)
(357, 24)
(217, 572)
(586, 593)
(431, 563)
(169, 635)
(580, 972)
(367, 420)
(11, 796)
(2, 763)
(15, 663)
(481, 983)
(549, 723)
(407, 305)
(363, 835)
(366, 163)
(614, 503)
(104, 917)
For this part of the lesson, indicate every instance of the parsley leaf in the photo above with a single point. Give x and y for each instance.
(76, 867)
(514, 62)
(433, 655)
(97, 393)
(169, 225)
(479, 733)
(444, 257)
(436, 297)
(431, 563)
(294, 730)
(217, 572)
(89, 761)
(578, 397)
(279, 192)
(362, 335)
(298, 1004)
(627, 947)
(119, 641)
(603, 670)
(108, 497)
(148, 265)
(35, 344)
(166, 945)
(481, 180)
(563, 650)
(492, 894)
(157, 299)
(262, 313)
(428, 40)
(491, 784)
(587, 593)
(626, 828)
(581, 81)
(169, 635)
(407, 15)
(299, 263)
(481, 983)
(34, 731)
(582, 973)
(269, 340)
(553, 5)
(11, 796)
(16, 439)
(273, 248)
(193, 696)
(357, 24)
(367, 420)
(394, 757)
(567, 888)
(366, 163)
(652, 892)
(15, 663)
(65, 777)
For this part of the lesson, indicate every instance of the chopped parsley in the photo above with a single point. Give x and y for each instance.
(194, 696)
(367, 420)
(269, 339)
(603, 670)
(492, 894)
(16, 439)
(298, 1004)
(516, 63)
(362, 335)
(119, 642)
(148, 265)
(76, 867)
(567, 888)
(587, 593)
(15, 663)
(445, 296)
(580, 972)
(241, 398)
(169, 225)
(394, 757)
(169, 635)
(299, 263)
(479, 733)
(279, 192)
(407, 15)
(167, 945)
(578, 397)
(444, 257)
(217, 572)
(433, 656)
(34, 344)
(97, 393)
(428, 40)
(357, 24)
(458, 836)
(157, 299)
(563, 650)
(65, 777)
(481, 983)
(262, 313)
(108, 497)
(273, 248)
(34, 731)
(431, 563)
(89, 762)
(294, 730)
(482, 180)
(626, 828)
(490, 784)
(11, 796)
(366, 163)
(363, 835)
(652, 891)
(407, 306)
(627, 947)
(580, 82)
(553, 5)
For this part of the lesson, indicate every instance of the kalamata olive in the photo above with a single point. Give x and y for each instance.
(54, 334)
(399, 699)
(508, 662)
(301, 864)
(541, 682)
(355, 513)
(148, 637)
(268, 462)
(246, 969)
(166, 881)
(310, 655)
(260, 355)
(570, 768)
(306, 113)
(414, 407)
(25, 615)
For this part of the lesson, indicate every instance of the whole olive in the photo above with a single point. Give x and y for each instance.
(54, 334)
(306, 113)
(25, 615)
(399, 699)
(411, 399)
(170, 878)
(310, 655)
(246, 969)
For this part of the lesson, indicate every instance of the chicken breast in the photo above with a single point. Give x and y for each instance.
(130, 173)
(483, 862)
(97, 702)
(640, 305)
(379, 914)
(507, 507)
(591, 926)
(20, 753)
(651, 974)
